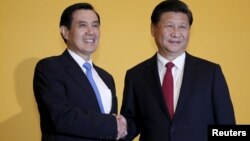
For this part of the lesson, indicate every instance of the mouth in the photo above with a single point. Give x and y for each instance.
(89, 40)
(175, 42)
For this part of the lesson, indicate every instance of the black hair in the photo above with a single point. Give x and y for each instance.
(171, 6)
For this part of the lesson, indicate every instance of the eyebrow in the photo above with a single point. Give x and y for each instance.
(79, 22)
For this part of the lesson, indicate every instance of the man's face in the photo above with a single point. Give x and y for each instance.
(171, 34)
(83, 36)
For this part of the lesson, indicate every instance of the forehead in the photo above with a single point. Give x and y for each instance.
(179, 16)
(84, 15)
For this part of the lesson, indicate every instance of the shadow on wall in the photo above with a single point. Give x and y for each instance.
(25, 125)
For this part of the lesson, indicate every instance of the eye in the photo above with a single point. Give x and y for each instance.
(96, 25)
(82, 24)
(183, 26)
(169, 25)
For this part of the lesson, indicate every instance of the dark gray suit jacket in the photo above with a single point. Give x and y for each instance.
(67, 104)
(204, 99)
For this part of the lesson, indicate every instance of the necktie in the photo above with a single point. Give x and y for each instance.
(167, 88)
(88, 67)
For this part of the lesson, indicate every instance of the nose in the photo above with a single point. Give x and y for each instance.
(175, 32)
(90, 30)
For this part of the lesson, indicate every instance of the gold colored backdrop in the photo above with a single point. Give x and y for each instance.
(29, 31)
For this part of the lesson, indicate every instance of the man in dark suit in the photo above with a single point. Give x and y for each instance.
(193, 95)
(72, 106)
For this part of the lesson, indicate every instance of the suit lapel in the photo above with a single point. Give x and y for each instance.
(187, 84)
(109, 84)
(73, 69)
(153, 80)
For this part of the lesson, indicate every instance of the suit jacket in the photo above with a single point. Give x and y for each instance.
(67, 104)
(204, 99)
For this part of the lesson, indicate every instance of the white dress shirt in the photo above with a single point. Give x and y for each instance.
(177, 72)
(105, 92)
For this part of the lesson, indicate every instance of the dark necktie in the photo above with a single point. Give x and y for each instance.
(88, 67)
(168, 89)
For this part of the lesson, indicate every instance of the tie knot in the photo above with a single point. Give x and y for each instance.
(169, 65)
(87, 66)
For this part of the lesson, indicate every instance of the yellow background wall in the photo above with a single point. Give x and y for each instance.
(29, 31)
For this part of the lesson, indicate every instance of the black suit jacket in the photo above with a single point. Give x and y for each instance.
(67, 104)
(204, 99)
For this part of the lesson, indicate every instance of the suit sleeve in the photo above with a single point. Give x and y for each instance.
(223, 107)
(128, 109)
(59, 116)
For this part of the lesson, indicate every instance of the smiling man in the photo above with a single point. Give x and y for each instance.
(77, 99)
(174, 96)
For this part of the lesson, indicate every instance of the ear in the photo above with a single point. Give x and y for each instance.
(64, 32)
(152, 29)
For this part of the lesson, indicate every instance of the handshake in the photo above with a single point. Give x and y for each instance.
(121, 126)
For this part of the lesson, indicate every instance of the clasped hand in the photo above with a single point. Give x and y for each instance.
(121, 126)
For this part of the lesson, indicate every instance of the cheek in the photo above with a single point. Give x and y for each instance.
(166, 33)
(97, 32)
(187, 37)
(186, 34)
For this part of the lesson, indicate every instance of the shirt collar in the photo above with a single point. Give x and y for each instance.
(79, 60)
(178, 62)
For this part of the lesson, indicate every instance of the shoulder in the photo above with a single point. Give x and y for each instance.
(194, 60)
(148, 63)
(54, 61)
(48, 62)
(200, 65)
